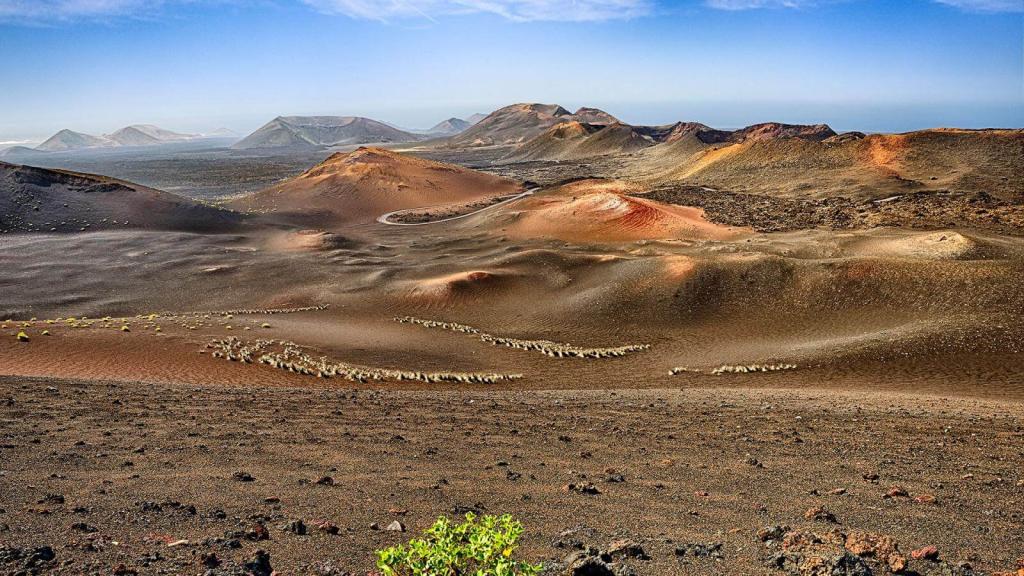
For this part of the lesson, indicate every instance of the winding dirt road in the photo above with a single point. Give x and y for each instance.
(384, 218)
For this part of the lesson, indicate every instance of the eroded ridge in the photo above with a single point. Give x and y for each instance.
(547, 347)
(289, 356)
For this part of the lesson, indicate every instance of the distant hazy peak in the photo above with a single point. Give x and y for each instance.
(450, 126)
(70, 140)
(322, 131)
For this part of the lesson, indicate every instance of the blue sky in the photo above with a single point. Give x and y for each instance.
(196, 65)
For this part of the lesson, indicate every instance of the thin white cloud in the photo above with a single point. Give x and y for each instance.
(753, 4)
(966, 5)
(517, 10)
(73, 9)
(384, 10)
(986, 5)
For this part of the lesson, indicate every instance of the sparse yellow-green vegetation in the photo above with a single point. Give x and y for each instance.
(481, 546)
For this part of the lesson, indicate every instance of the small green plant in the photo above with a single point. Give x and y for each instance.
(477, 547)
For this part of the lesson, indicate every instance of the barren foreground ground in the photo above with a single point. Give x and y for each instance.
(156, 477)
(678, 379)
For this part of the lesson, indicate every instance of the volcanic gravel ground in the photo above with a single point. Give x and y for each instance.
(159, 479)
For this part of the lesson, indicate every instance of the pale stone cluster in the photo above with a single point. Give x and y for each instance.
(548, 347)
(730, 369)
(561, 350)
(438, 324)
(267, 311)
(289, 356)
(734, 369)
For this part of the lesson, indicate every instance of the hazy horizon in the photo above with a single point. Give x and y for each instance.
(201, 65)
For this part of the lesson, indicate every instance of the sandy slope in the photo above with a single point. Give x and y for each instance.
(42, 200)
(887, 309)
(576, 140)
(599, 211)
(521, 122)
(359, 186)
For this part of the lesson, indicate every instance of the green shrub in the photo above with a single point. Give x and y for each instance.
(477, 547)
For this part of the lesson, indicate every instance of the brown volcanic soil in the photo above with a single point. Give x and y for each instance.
(600, 211)
(437, 213)
(873, 167)
(576, 140)
(358, 186)
(43, 200)
(520, 122)
(907, 342)
(113, 473)
(927, 210)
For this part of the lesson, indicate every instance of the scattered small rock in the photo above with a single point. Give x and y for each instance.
(879, 546)
(209, 560)
(772, 533)
(327, 527)
(259, 565)
(258, 532)
(700, 550)
(624, 548)
(897, 492)
(297, 527)
(582, 488)
(821, 514)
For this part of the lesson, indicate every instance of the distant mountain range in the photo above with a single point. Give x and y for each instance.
(453, 126)
(772, 156)
(147, 135)
(509, 125)
(71, 140)
(298, 132)
(573, 140)
(135, 135)
(221, 133)
(520, 122)
(322, 131)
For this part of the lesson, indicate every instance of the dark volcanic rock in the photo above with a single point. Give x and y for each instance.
(259, 565)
